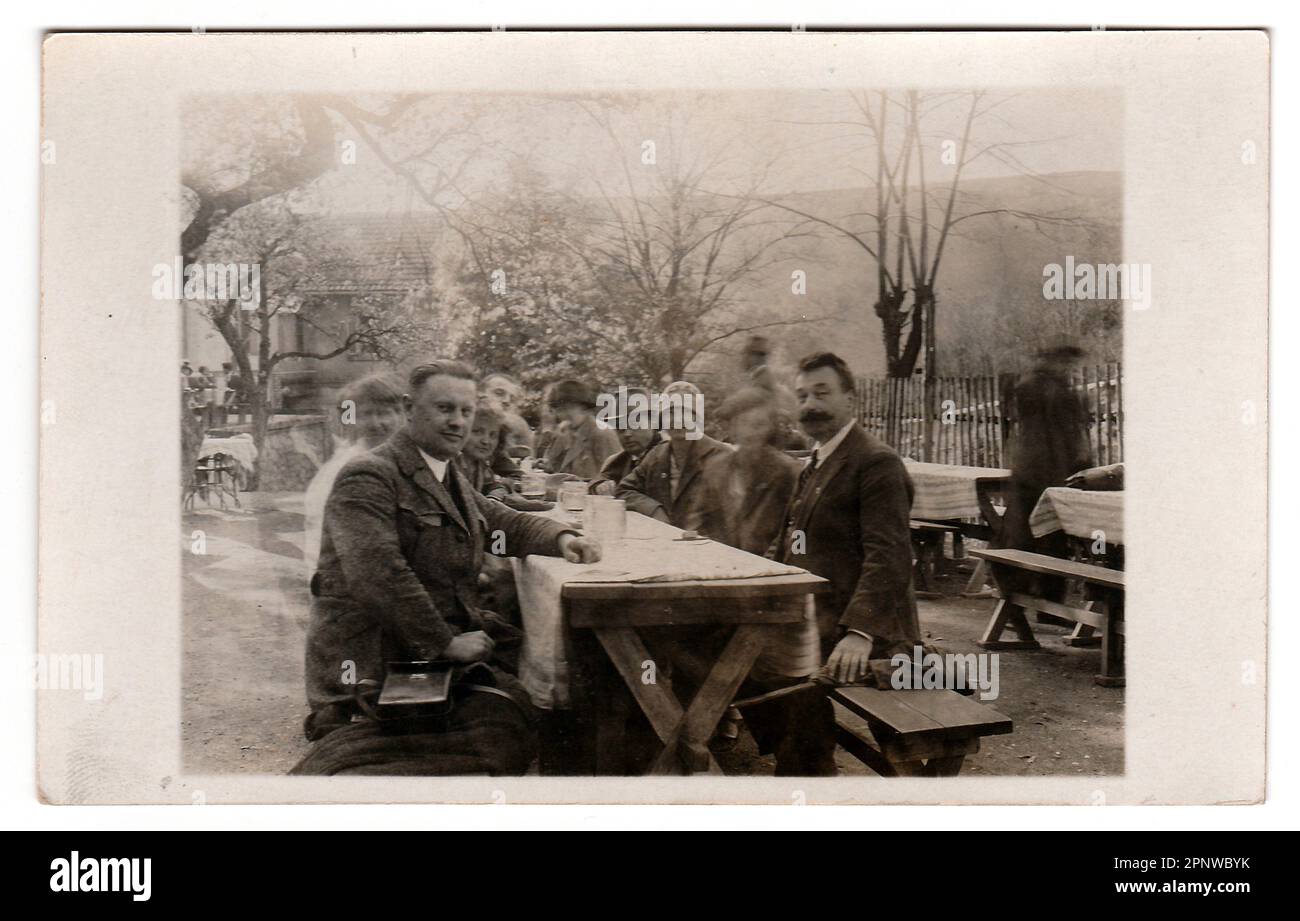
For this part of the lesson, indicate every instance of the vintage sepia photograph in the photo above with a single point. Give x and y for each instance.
(754, 433)
(699, 417)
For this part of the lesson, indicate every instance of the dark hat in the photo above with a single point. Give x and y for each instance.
(571, 392)
(1061, 344)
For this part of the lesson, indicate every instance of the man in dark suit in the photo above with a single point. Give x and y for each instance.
(401, 551)
(848, 522)
(667, 483)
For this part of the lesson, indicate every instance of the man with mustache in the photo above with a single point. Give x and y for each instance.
(847, 522)
(401, 552)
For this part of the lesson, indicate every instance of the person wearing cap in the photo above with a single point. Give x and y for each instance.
(1049, 444)
(584, 445)
(667, 483)
(637, 440)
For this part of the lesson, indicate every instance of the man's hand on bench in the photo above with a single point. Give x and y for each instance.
(848, 660)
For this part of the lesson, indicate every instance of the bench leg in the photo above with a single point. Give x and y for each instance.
(1083, 635)
(1112, 646)
(1006, 614)
(945, 767)
(1010, 615)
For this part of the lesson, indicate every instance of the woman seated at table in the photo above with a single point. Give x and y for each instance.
(477, 457)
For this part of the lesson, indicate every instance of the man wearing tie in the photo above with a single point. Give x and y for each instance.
(848, 522)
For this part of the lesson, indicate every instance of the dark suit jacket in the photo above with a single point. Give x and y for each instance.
(581, 450)
(399, 566)
(649, 486)
(745, 507)
(621, 464)
(853, 516)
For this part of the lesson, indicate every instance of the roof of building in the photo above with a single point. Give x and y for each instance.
(382, 252)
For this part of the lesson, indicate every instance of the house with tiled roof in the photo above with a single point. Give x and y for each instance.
(364, 258)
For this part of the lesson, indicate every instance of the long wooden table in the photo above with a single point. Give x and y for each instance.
(651, 587)
(617, 612)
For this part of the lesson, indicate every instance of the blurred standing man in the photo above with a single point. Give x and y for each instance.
(666, 484)
(848, 522)
(748, 488)
(754, 363)
(401, 554)
(584, 445)
(1050, 443)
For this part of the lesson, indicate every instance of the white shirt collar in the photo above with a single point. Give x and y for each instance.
(823, 451)
(439, 467)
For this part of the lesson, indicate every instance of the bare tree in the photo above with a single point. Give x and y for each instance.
(287, 252)
(674, 250)
(914, 217)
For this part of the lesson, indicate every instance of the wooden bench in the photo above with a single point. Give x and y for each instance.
(922, 733)
(928, 536)
(1106, 617)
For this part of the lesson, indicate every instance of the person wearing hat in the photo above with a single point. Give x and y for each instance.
(584, 444)
(667, 484)
(1049, 444)
(637, 440)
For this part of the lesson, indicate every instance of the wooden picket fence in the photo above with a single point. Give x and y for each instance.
(971, 418)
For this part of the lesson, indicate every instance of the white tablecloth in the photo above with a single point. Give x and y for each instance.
(649, 553)
(1079, 513)
(947, 490)
(240, 447)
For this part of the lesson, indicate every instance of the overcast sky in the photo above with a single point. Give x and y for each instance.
(804, 140)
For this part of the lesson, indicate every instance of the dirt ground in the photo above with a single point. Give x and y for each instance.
(246, 607)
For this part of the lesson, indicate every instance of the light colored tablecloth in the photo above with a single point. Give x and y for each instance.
(1080, 513)
(240, 447)
(946, 490)
(648, 554)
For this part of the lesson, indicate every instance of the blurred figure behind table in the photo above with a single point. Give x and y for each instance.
(1049, 444)
(548, 426)
(747, 489)
(582, 448)
(754, 362)
(367, 410)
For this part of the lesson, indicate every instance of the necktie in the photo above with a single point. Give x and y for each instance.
(806, 474)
